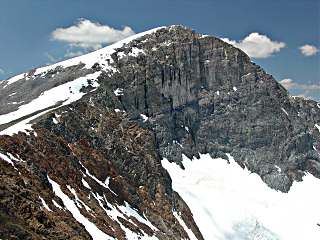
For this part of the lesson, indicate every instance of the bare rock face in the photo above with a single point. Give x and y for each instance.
(169, 93)
(202, 95)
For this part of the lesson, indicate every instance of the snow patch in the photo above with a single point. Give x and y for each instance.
(120, 211)
(118, 92)
(182, 223)
(55, 121)
(78, 201)
(136, 51)
(97, 180)
(278, 168)
(15, 103)
(56, 204)
(10, 160)
(106, 182)
(6, 158)
(85, 183)
(235, 88)
(131, 212)
(14, 158)
(14, 79)
(114, 212)
(144, 117)
(44, 204)
(285, 111)
(317, 126)
(176, 142)
(95, 232)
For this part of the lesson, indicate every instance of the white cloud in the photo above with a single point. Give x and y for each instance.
(52, 59)
(94, 46)
(257, 46)
(311, 91)
(74, 54)
(289, 84)
(306, 95)
(86, 34)
(2, 71)
(309, 50)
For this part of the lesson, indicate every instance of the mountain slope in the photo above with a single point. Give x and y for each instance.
(98, 126)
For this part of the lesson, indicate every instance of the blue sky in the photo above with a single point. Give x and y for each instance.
(35, 33)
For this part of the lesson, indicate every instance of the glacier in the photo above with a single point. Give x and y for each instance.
(229, 202)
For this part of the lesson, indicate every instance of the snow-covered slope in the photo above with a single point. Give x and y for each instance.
(89, 59)
(66, 93)
(229, 202)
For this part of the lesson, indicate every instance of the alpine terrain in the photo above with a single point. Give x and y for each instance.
(168, 134)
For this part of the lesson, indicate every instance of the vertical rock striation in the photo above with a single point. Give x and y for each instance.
(201, 94)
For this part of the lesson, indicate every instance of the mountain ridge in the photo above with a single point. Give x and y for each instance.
(162, 94)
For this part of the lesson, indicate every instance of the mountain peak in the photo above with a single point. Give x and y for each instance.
(99, 125)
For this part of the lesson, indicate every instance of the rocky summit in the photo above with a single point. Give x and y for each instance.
(82, 140)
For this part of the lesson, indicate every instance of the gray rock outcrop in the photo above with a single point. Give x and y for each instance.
(165, 94)
(202, 95)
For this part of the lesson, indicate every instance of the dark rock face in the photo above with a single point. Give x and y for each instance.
(181, 93)
(203, 95)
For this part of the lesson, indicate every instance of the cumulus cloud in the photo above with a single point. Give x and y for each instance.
(257, 46)
(74, 54)
(309, 50)
(302, 90)
(86, 34)
(289, 84)
(306, 95)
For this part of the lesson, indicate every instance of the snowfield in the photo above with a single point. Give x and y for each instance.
(229, 202)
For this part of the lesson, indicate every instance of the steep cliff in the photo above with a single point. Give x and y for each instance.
(201, 95)
(92, 154)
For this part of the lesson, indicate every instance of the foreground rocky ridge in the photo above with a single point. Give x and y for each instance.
(111, 165)
(165, 94)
